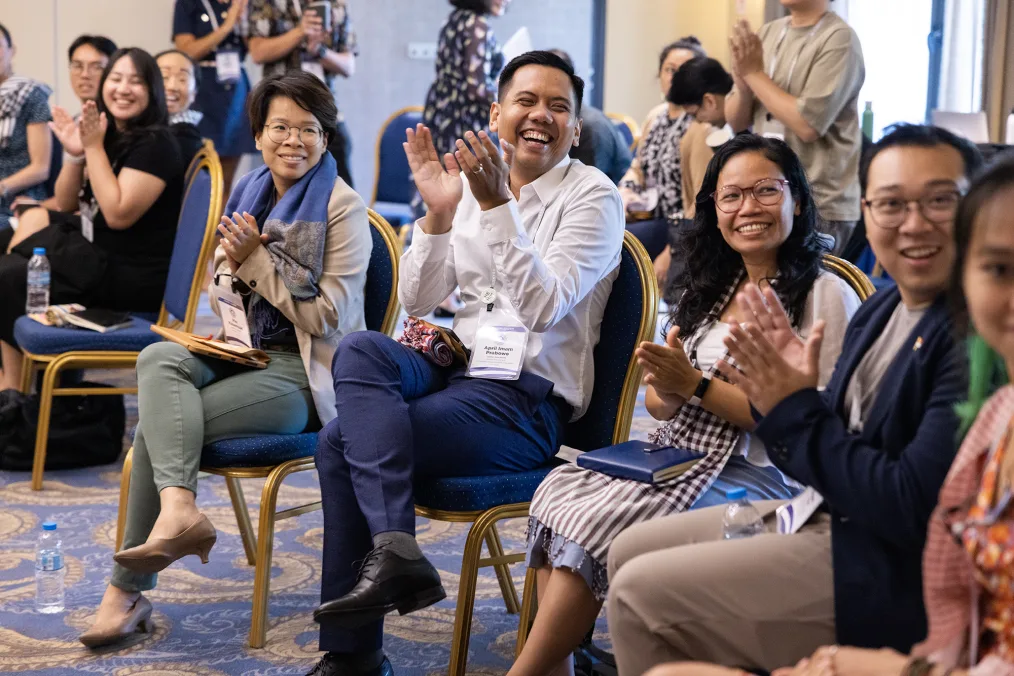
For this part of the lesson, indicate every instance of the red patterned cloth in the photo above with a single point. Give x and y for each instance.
(431, 341)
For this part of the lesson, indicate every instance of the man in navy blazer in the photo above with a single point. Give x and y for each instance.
(876, 445)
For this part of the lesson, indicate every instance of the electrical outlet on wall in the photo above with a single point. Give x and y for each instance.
(423, 51)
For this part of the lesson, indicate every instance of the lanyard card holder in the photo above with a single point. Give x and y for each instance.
(233, 313)
(500, 343)
(88, 212)
(228, 67)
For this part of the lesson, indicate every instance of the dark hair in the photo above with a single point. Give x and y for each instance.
(690, 43)
(920, 136)
(195, 69)
(565, 56)
(477, 6)
(156, 115)
(541, 58)
(712, 265)
(986, 368)
(100, 42)
(695, 78)
(7, 35)
(305, 89)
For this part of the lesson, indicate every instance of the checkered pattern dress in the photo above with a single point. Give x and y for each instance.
(575, 506)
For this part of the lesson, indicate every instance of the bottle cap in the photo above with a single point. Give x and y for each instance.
(48, 525)
(39, 251)
(736, 494)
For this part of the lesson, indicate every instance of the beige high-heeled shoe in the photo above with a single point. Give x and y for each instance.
(156, 555)
(136, 625)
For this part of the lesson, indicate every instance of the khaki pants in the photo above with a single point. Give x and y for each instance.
(678, 592)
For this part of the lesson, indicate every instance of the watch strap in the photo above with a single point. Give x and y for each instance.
(702, 389)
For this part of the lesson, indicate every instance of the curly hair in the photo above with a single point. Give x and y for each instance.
(712, 265)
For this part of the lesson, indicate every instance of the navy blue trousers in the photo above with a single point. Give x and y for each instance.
(401, 419)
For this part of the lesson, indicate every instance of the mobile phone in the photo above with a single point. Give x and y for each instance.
(323, 10)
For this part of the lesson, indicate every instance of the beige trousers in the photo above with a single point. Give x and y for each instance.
(678, 592)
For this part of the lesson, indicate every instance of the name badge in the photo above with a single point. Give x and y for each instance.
(499, 349)
(88, 211)
(794, 514)
(228, 66)
(230, 307)
(315, 68)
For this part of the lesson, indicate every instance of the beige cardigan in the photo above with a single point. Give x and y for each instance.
(320, 323)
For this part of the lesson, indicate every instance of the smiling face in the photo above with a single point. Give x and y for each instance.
(180, 85)
(988, 278)
(755, 230)
(124, 92)
(86, 66)
(918, 253)
(290, 159)
(538, 117)
(673, 60)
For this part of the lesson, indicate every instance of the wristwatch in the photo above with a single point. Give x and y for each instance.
(321, 50)
(702, 389)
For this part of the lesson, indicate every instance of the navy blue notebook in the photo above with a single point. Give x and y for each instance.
(640, 461)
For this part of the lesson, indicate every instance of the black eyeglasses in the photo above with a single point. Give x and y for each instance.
(939, 208)
(767, 191)
(279, 133)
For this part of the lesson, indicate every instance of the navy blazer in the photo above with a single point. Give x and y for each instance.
(882, 484)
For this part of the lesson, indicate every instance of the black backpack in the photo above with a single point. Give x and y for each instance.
(83, 430)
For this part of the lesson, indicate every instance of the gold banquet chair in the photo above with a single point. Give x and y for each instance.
(276, 456)
(393, 187)
(630, 317)
(63, 349)
(852, 275)
(628, 128)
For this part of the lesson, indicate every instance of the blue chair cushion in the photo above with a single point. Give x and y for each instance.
(35, 338)
(395, 213)
(259, 451)
(477, 494)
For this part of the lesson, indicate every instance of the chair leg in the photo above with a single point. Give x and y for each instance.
(529, 600)
(27, 370)
(121, 512)
(42, 429)
(503, 572)
(265, 543)
(242, 518)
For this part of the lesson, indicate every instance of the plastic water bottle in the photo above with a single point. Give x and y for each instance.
(38, 282)
(49, 571)
(742, 520)
(868, 121)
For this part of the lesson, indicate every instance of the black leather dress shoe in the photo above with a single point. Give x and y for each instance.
(386, 582)
(331, 665)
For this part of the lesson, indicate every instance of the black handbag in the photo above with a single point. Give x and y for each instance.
(83, 430)
(77, 266)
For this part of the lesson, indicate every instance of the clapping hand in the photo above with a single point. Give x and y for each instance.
(313, 28)
(771, 361)
(441, 189)
(66, 131)
(234, 14)
(487, 171)
(668, 369)
(240, 237)
(747, 50)
(92, 126)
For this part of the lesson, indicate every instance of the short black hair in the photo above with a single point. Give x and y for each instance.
(305, 89)
(193, 64)
(565, 56)
(100, 42)
(921, 136)
(699, 76)
(541, 58)
(7, 35)
(477, 6)
(688, 42)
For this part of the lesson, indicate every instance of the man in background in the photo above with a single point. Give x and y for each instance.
(88, 56)
(602, 146)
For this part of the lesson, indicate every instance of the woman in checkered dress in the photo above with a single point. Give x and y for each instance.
(756, 223)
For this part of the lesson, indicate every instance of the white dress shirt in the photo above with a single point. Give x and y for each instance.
(556, 252)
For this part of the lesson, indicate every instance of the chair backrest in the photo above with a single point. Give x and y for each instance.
(973, 126)
(381, 295)
(195, 239)
(393, 179)
(855, 277)
(631, 316)
(628, 127)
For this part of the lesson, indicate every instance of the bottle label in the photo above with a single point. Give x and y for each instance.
(50, 561)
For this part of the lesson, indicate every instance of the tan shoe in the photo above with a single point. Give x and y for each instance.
(156, 555)
(135, 625)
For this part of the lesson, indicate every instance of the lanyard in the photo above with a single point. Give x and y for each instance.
(795, 58)
(211, 14)
(299, 8)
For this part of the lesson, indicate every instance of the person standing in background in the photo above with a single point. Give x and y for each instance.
(284, 37)
(25, 141)
(798, 78)
(182, 79)
(602, 146)
(88, 56)
(212, 33)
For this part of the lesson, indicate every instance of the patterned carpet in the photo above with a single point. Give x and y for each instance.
(202, 612)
